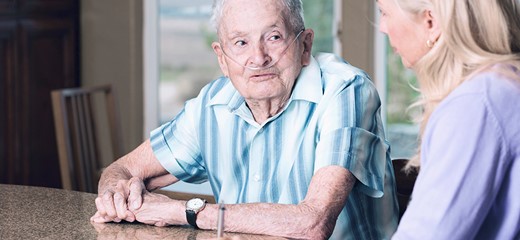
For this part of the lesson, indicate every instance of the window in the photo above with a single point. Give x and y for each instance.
(401, 131)
(187, 61)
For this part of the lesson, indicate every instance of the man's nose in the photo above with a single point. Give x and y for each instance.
(260, 56)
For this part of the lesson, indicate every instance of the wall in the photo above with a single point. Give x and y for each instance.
(362, 43)
(357, 34)
(111, 52)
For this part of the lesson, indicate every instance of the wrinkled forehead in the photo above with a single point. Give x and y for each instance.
(252, 16)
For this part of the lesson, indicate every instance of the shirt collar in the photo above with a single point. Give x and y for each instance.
(309, 85)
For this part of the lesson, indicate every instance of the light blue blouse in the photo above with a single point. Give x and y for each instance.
(468, 186)
(332, 118)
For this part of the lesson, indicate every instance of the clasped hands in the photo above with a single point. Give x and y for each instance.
(130, 201)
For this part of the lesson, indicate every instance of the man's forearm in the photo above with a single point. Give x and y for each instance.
(140, 163)
(296, 221)
(313, 218)
(288, 220)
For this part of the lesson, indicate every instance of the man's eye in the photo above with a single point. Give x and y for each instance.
(240, 43)
(275, 37)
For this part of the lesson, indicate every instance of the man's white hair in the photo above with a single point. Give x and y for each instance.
(292, 7)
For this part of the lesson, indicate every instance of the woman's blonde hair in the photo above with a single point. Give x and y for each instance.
(475, 35)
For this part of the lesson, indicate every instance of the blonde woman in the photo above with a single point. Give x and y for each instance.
(466, 54)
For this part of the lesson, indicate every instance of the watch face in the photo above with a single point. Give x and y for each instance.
(195, 203)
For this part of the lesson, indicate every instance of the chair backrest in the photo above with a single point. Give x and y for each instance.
(405, 182)
(78, 115)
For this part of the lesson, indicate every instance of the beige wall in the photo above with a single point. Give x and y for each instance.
(357, 34)
(111, 52)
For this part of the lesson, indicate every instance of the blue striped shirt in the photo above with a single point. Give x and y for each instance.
(331, 118)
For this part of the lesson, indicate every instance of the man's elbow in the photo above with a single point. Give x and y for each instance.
(318, 224)
(321, 229)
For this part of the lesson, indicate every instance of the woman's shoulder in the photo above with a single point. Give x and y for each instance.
(489, 98)
(497, 89)
(494, 87)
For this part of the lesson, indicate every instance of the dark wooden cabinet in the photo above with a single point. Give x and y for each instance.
(39, 52)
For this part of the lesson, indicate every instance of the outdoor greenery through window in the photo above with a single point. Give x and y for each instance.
(401, 130)
(187, 61)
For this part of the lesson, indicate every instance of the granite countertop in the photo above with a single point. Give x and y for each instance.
(46, 213)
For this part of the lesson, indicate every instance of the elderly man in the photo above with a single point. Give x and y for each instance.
(293, 144)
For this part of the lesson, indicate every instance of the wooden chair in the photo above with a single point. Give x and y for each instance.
(78, 115)
(404, 182)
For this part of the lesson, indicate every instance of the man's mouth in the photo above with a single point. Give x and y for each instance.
(262, 76)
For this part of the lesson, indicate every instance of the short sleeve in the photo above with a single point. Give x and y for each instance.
(175, 146)
(359, 151)
(352, 136)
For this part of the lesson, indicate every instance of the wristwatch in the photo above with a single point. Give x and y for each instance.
(194, 206)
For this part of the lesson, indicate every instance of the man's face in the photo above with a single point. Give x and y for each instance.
(254, 34)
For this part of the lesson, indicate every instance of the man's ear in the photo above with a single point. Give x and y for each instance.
(432, 24)
(307, 39)
(220, 56)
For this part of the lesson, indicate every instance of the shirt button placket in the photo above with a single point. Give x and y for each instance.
(256, 156)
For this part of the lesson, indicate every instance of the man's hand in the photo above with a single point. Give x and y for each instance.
(121, 185)
(117, 203)
(160, 210)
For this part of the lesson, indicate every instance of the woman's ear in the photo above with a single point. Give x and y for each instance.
(308, 39)
(220, 57)
(432, 24)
